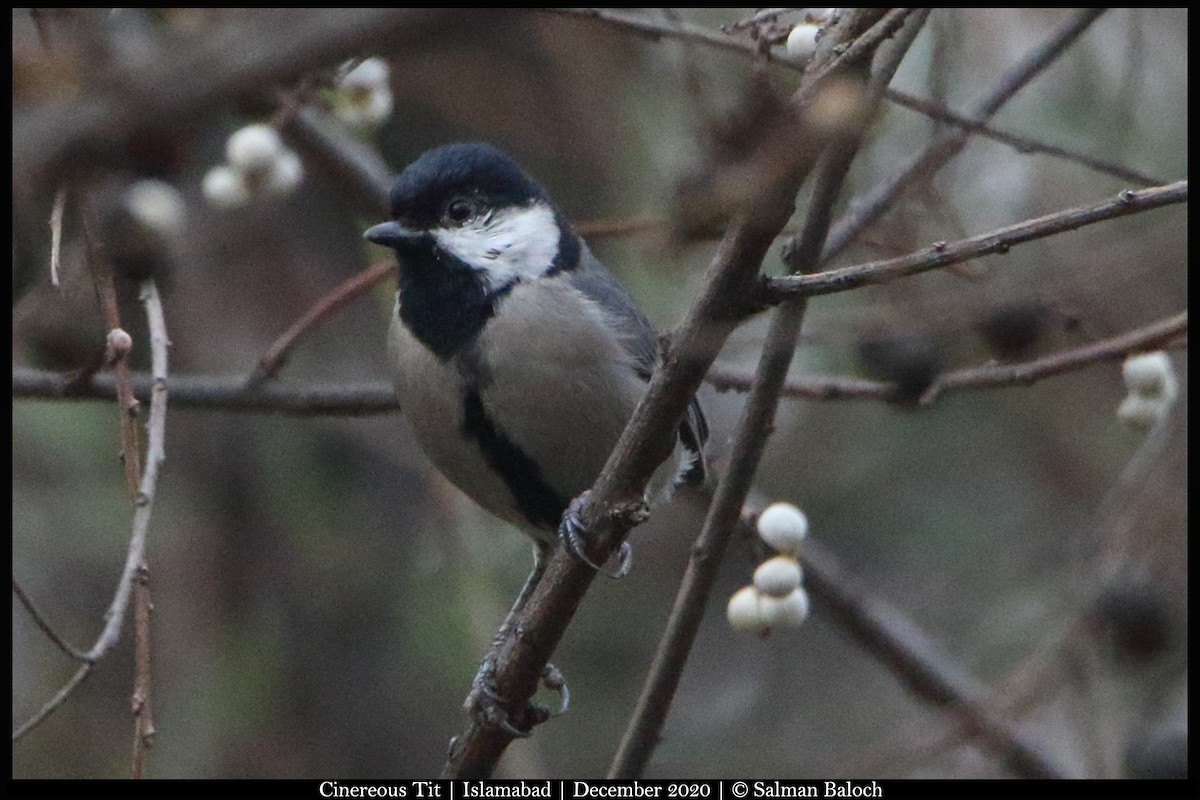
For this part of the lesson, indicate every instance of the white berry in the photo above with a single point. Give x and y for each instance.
(790, 611)
(253, 148)
(156, 205)
(225, 187)
(783, 527)
(285, 174)
(743, 610)
(364, 108)
(371, 73)
(1150, 374)
(802, 41)
(1142, 411)
(778, 577)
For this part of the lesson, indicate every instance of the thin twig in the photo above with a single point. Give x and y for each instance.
(1022, 144)
(915, 662)
(1165, 333)
(219, 393)
(765, 15)
(951, 141)
(656, 30)
(57, 700)
(757, 421)
(807, 388)
(366, 399)
(92, 128)
(56, 223)
(143, 504)
(357, 171)
(102, 273)
(1146, 338)
(155, 454)
(944, 254)
(621, 226)
(140, 703)
(106, 292)
(41, 622)
(277, 354)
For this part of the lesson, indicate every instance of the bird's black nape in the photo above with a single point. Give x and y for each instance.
(476, 169)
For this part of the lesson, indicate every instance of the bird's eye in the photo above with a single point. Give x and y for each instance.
(459, 211)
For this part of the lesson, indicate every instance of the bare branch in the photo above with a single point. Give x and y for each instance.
(809, 388)
(950, 142)
(1022, 144)
(41, 622)
(219, 393)
(1150, 337)
(357, 170)
(155, 455)
(92, 127)
(143, 504)
(275, 357)
(604, 228)
(56, 223)
(365, 399)
(655, 30)
(106, 292)
(913, 659)
(754, 428)
(54, 702)
(1167, 333)
(942, 255)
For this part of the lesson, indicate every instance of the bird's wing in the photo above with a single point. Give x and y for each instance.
(639, 337)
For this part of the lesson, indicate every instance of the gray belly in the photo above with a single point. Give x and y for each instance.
(561, 399)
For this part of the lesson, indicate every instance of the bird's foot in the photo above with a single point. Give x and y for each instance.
(573, 534)
(486, 707)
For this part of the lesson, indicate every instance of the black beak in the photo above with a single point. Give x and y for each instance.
(393, 234)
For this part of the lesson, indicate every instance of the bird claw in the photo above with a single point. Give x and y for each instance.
(554, 680)
(486, 707)
(571, 530)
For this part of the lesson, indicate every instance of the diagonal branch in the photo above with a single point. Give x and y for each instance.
(615, 502)
(277, 354)
(92, 128)
(1165, 333)
(656, 31)
(749, 441)
(45, 626)
(1118, 347)
(914, 660)
(1022, 144)
(946, 145)
(942, 255)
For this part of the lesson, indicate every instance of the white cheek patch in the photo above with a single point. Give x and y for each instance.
(512, 243)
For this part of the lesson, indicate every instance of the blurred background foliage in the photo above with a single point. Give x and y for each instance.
(322, 596)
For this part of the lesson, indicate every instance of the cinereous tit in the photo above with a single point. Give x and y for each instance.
(518, 357)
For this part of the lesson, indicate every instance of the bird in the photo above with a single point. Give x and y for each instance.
(517, 357)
